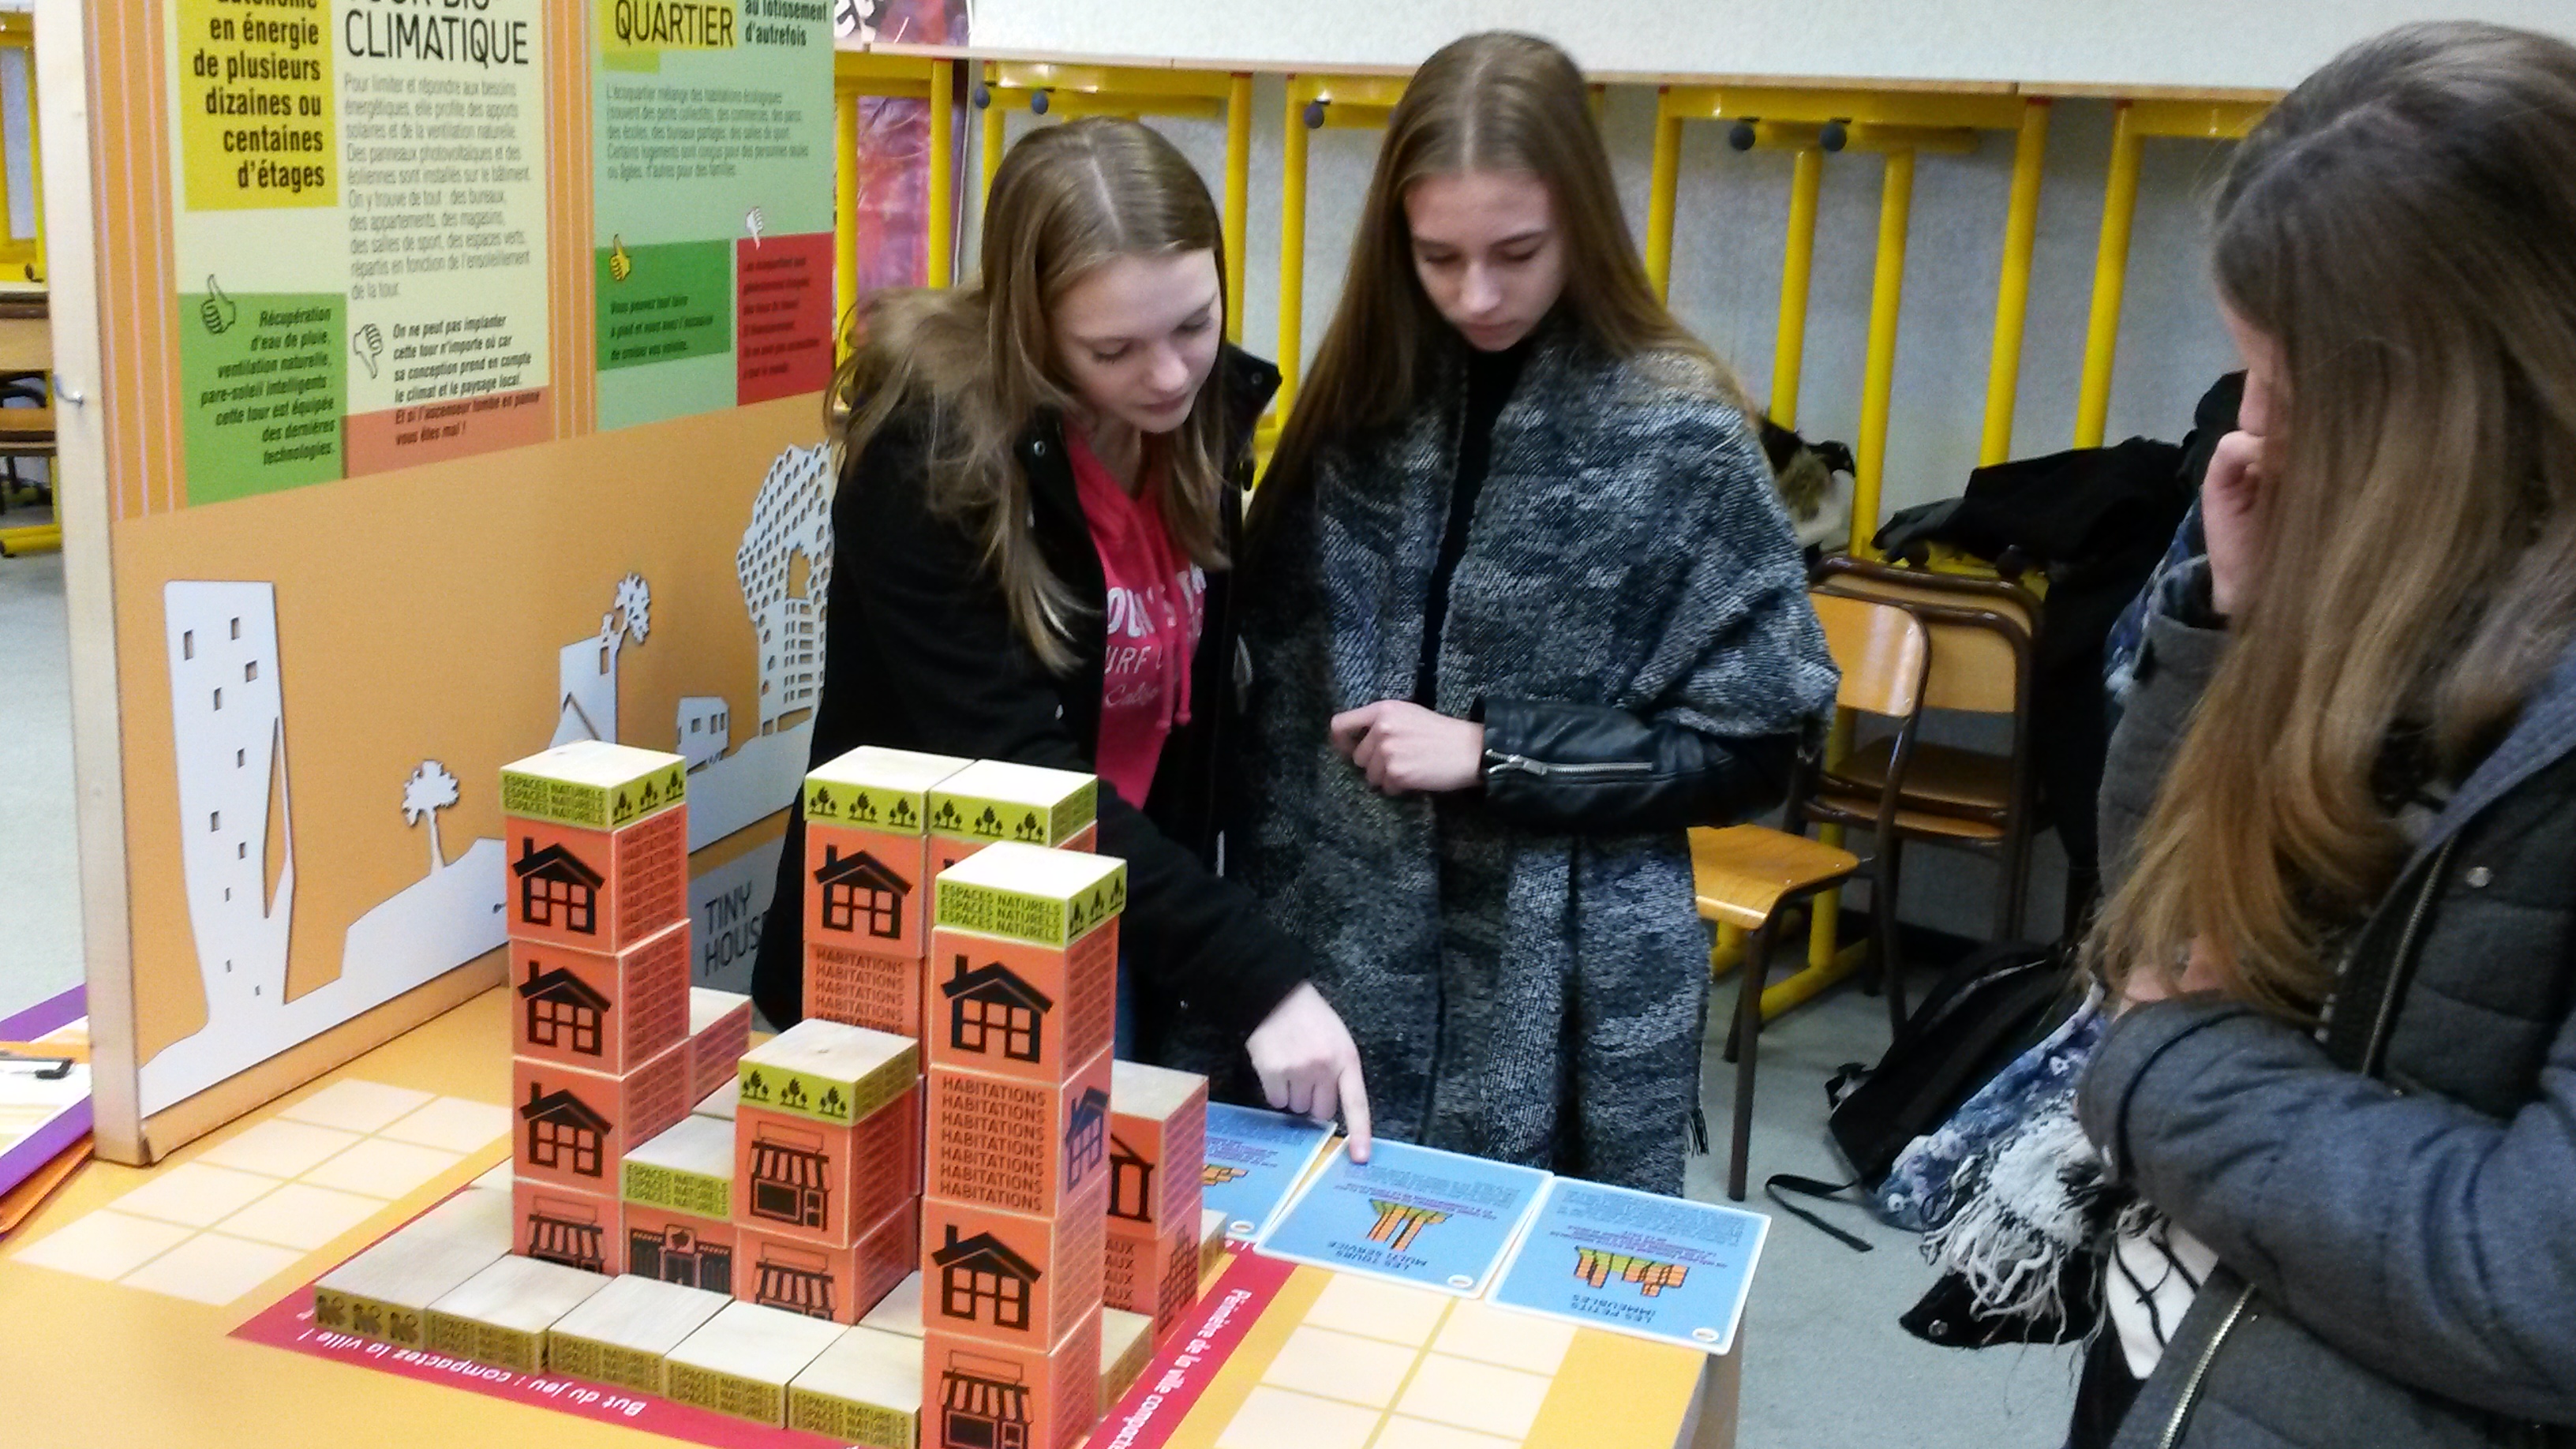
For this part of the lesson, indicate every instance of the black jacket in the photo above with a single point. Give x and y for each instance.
(920, 654)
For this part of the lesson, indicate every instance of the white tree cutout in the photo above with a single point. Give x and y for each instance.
(633, 610)
(429, 790)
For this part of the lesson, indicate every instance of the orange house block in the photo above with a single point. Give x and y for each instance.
(572, 1126)
(719, 1033)
(1004, 1278)
(882, 993)
(597, 890)
(1023, 1147)
(557, 1225)
(863, 889)
(691, 1251)
(841, 1284)
(798, 1178)
(1085, 840)
(1015, 1009)
(1157, 1147)
(1152, 1273)
(600, 1012)
(975, 1393)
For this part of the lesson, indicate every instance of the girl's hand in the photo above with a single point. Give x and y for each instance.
(1309, 1065)
(1403, 747)
(2199, 974)
(2231, 497)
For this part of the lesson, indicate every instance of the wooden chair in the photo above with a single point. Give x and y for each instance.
(1745, 874)
(1982, 633)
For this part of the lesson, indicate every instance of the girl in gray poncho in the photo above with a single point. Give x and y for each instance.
(1522, 606)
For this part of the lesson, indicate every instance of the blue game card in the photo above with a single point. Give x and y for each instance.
(1255, 1159)
(1434, 1219)
(1635, 1263)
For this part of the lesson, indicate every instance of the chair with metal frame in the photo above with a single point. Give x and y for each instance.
(1745, 875)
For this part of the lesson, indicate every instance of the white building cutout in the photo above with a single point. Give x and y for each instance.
(236, 839)
(785, 565)
(586, 673)
(706, 729)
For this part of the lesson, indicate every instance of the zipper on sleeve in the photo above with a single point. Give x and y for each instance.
(1498, 764)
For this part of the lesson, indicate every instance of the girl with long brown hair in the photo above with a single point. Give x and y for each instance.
(2341, 804)
(1037, 512)
(1522, 606)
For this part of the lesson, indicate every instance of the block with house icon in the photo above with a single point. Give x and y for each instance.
(601, 1011)
(719, 1033)
(1021, 1146)
(1007, 1278)
(555, 1224)
(597, 845)
(977, 1393)
(839, 1283)
(572, 1127)
(1015, 1009)
(681, 1248)
(1157, 1148)
(993, 800)
(863, 892)
(798, 1178)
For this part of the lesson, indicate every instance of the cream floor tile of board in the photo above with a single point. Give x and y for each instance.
(382, 1169)
(452, 1124)
(103, 1244)
(1389, 1311)
(195, 1195)
(279, 1148)
(354, 1106)
(1494, 1335)
(301, 1216)
(211, 1268)
(1403, 1433)
(1335, 1365)
(1277, 1419)
(1473, 1395)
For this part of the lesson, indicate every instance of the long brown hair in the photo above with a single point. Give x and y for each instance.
(1490, 102)
(2400, 225)
(1067, 199)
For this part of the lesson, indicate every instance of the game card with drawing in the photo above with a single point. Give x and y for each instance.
(1255, 1159)
(1435, 1219)
(1635, 1263)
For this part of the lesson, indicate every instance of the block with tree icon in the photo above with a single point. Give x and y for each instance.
(571, 1127)
(601, 1011)
(798, 1178)
(1020, 1146)
(994, 800)
(1007, 1278)
(840, 1283)
(829, 1072)
(877, 789)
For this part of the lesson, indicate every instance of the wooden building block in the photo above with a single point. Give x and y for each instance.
(874, 788)
(384, 1293)
(741, 1361)
(863, 1390)
(693, 1252)
(976, 1393)
(721, 1102)
(1005, 1278)
(572, 1126)
(993, 800)
(594, 785)
(829, 1072)
(861, 988)
(1152, 1272)
(597, 890)
(900, 1310)
(1026, 893)
(621, 1334)
(1021, 1146)
(1126, 1347)
(865, 890)
(1157, 1147)
(1017, 1010)
(599, 1011)
(840, 1284)
(500, 1315)
(719, 1033)
(1086, 840)
(555, 1224)
(796, 1178)
(688, 1168)
(1211, 1242)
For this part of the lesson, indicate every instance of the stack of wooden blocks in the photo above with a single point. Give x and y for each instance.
(1157, 1181)
(599, 954)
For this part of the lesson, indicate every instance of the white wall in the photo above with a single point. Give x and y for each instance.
(2170, 42)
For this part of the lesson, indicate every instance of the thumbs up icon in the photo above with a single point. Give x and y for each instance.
(620, 265)
(218, 311)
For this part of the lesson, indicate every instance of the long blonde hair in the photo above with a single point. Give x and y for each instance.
(2401, 225)
(1067, 199)
(1496, 101)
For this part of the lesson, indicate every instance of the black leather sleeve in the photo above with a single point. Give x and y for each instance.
(1569, 767)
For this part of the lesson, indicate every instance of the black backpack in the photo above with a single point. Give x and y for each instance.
(1996, 1003)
